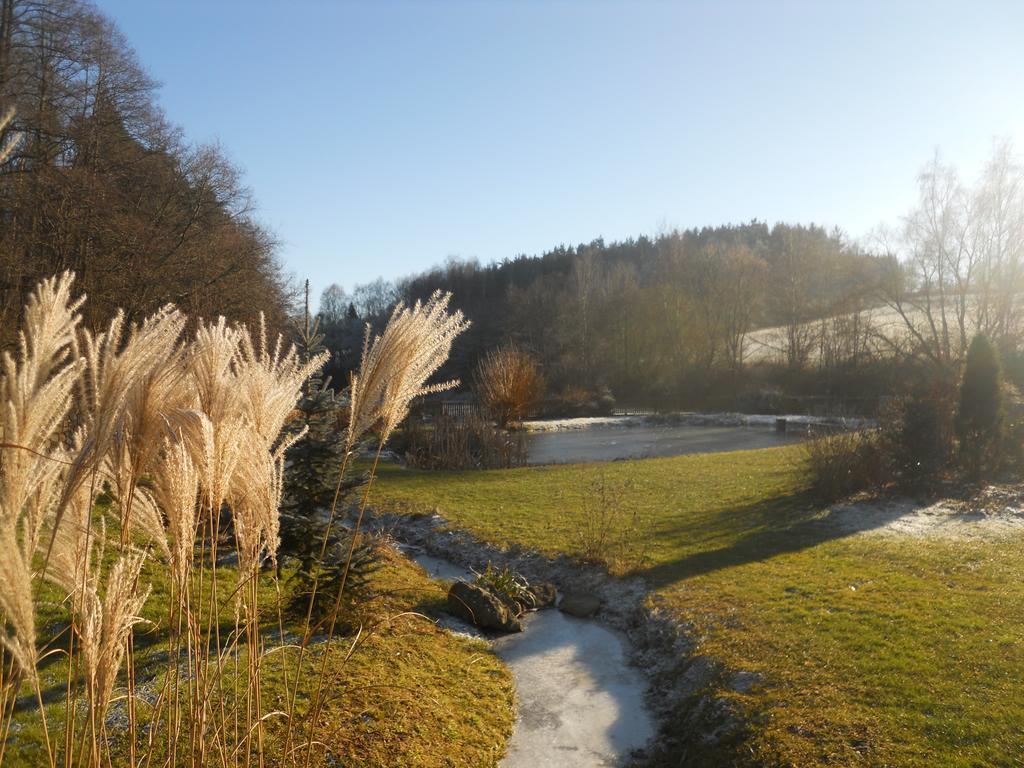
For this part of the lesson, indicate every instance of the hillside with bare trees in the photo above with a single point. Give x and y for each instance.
(102, 183)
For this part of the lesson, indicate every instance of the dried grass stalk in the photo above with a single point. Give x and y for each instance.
(36, 391)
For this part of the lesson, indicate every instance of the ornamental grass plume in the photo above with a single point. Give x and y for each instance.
(176, 493)
(270, 383)
(172, 431)
(221, 430)
(121, 368)
(105, 603)
(395, 367)
(156, 392)
(109, 621)
(36, 391)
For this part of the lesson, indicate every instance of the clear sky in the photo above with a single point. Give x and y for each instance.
(381, 138)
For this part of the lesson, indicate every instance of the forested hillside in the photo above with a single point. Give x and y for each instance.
(102, 183)
(667, 321)
(653, 319)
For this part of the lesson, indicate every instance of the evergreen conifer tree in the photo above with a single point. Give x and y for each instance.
(314, 461)
(979, 420)
(311, 480)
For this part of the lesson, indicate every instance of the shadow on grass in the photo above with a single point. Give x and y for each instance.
(779, 526)
(148, 664)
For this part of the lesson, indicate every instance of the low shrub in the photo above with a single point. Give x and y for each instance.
(980, 416)
(607, 531)
(509, 384)
(453, 443)
(843, 463)
(1013, 438)
(917, 436)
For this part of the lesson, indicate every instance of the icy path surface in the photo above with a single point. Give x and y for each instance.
(580, 704)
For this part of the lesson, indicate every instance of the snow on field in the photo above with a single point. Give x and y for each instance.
(994, 513)
(767, 345)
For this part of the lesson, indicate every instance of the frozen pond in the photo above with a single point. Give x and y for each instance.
(579, 703)
(607, 443)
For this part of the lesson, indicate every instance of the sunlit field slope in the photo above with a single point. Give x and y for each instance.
(872, 649)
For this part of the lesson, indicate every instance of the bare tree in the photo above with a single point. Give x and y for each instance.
(334, 304)
(957, 260)
(374, 299)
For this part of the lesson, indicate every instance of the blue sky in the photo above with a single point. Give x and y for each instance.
(381, 138)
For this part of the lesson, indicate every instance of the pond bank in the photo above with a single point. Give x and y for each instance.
(795, 422)
(682, 686)
(579, 701)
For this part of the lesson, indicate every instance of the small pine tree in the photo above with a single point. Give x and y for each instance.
(314, 461)
(979, 420)
(311, 481)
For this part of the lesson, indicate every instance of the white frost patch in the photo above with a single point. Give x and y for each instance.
(995, 512)
(693, 418)
(728, 419)
(582, 422)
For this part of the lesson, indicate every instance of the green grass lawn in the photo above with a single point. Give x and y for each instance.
(390, 700)
(874, 650)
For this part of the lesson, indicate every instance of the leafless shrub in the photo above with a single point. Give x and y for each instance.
(843, 463)
(452, 443)
(606, 530)
(509, 384)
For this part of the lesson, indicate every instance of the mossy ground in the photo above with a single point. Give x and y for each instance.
(400, 691)
(874, 650)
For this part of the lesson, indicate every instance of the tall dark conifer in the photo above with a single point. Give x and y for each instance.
(979, 420)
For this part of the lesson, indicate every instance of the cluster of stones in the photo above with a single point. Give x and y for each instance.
(490, 609)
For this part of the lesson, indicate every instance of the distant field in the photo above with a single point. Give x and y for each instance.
(875, 650)
(767, 345)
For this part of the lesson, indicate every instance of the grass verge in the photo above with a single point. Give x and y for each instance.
(401, 691)
(871, 649)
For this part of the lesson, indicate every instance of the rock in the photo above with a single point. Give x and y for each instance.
(582, 605)
(478, 606)
(513, 606)
(543, 594)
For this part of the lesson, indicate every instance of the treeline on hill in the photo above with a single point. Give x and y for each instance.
(658, 321)
(102, 184)
(743, 316)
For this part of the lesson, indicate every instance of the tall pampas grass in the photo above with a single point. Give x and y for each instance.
(36, 391)
(174, 435)
(397, 364)
(395, 368)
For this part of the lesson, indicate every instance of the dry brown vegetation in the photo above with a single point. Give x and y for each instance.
(509, 384)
